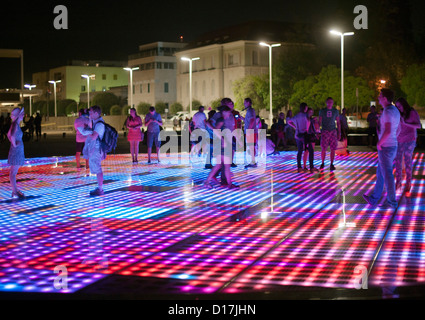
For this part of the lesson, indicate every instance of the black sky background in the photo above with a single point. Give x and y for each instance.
(112, 30)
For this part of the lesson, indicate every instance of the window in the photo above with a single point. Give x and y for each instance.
(83, 88)
(204, 88)
(93, 89)
(159, 65)
(141, 88)
(115, 77)
(166, 87)
(212, 62)
(230, 59)
(103, 88)
(254, 58)
(149, 87)
(103, 76)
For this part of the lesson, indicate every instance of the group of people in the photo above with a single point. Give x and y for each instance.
(396, 130)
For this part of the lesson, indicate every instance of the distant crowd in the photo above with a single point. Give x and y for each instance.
(394, 129)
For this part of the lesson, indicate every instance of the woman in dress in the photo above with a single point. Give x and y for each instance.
(134, 123)
(311, 136)
(16, 153)
(409, 123)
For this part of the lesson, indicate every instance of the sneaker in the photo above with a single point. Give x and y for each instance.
(313, 170)
(97, 192)
(387, 205)
(208, 166)
(322, 166)
(332, 167)
(208, 185)
(233, 165)
(233, 186)
(368, 200)
(149, 162)
(300, 170)
(251, 165)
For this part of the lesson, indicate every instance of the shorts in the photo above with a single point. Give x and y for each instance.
(79, 146)
(153, 136)
(329, 139)
(95, 162)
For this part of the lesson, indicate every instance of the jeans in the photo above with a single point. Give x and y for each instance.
(405, 150)
(384, 175)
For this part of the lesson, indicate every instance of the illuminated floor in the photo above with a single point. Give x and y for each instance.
(158, 232)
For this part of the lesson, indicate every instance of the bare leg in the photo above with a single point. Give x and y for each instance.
(332, 156)
(12, 177)
(99, 177)
(136, 149)
(77, 159)
(305, 156)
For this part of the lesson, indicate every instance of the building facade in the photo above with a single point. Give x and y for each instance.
(155, 81)
(104, 76)
(218, 67)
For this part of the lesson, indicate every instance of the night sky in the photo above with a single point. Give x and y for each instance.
(112, 30)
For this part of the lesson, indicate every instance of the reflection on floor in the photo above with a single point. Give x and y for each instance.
(157, 230)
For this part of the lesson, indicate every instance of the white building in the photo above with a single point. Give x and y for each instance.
(155, 81)
(216, 70)
(231, 54)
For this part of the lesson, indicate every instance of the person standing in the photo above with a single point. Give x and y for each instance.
(289, 131)
(330, 132)
(372, 120)
(251, 131)
(310, 138)
(133, 124)
(37, 124)
(16, 156)
(230, 123)
(387, 150)
(406, 141)
(153, 121)
(198, 120)
(301, 124)
(92, 149)
(81, 122)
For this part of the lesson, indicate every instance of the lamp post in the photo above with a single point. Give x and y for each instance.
(342, 35)
(54, 89)
(30, 86)
(271, 46)
(190, 81)
(88, 77)
(131, 83)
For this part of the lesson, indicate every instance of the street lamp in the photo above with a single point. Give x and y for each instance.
(131, 83)
(54, 89)
(88, 77)
(271, 46)
(30, 86)
(342, 35)
(190, 80)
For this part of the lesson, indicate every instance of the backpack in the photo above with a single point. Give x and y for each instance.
(110, 138)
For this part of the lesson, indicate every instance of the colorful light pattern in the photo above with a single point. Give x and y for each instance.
(158, 226)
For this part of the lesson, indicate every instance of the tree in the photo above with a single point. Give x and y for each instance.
(125, 110)
(195, 105)
(115, 110)
(215, 104)
(160, 107)
(176, 107)
(143, 108)
(71, 108)
(413, 84)
(314, 90)
(105, 100)
(254, 87)
(62, 106)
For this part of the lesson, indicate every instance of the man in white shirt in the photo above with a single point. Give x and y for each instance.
(92, 150)
(199, 120)
(387, 150)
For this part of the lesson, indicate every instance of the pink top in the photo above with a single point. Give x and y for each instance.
(79, 123)
(407, 133)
